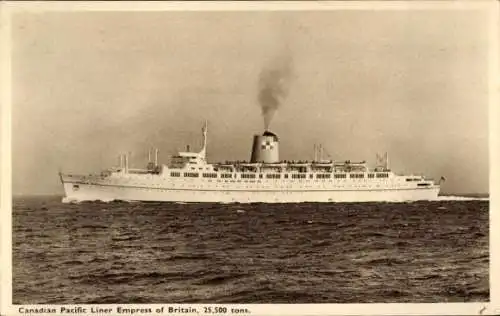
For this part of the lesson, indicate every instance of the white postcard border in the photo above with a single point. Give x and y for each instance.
(493, 307)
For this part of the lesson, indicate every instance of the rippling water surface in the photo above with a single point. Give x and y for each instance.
(122, 252)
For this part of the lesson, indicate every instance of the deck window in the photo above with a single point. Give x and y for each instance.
(247, 176)
(323, 176)
(356, 176)
(273, 176)
(209, 175)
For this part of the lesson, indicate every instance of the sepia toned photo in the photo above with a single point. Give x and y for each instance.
(249, 156)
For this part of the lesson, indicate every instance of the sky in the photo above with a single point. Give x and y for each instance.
(88, 86)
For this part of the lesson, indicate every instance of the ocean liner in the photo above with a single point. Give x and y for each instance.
(188, 177)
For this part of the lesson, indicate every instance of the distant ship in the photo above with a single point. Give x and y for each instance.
(265, 178)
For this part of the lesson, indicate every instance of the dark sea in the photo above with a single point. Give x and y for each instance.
(121, 252)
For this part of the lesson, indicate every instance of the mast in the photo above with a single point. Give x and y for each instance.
(156, 157)
(126, 163)
(203, 151)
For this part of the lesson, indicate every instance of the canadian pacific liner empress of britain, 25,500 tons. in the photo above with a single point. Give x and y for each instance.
(265, 178)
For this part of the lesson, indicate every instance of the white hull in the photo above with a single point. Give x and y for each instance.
(93, 192)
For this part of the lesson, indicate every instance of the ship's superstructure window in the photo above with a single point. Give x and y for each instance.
(371, 175)
(323, 176)
(247, 176)
(191, 174)
(286, 175)
(356, 176)
(226, 175)
(382, 175)
(272, 176)
(340, 176)
(298, 176)
(175, 174)
(311, 176)
(412, 179)
(260, 176)
(209, 175)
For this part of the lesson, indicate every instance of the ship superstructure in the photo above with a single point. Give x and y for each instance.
(188, 177)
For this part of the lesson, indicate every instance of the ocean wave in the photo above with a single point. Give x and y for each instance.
(67, 200)
(93, 227)
(189, 257)
(221, 279)
(385, 261)
(125, 238)
(460, 198)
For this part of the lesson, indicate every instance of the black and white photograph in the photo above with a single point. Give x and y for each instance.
(249, 154)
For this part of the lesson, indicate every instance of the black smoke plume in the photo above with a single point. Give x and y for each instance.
(274, 84)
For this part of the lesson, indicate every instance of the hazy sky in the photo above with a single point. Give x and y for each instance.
(88, 86)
